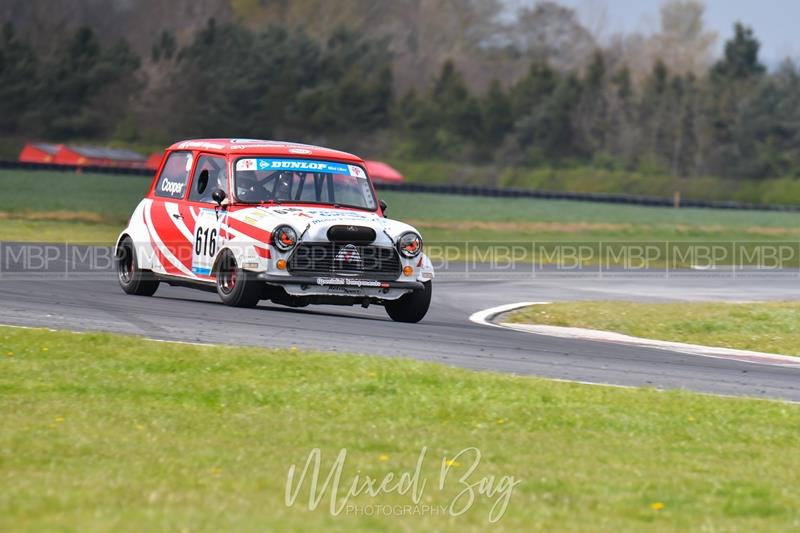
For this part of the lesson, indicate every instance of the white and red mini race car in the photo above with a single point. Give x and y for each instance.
(257, 220)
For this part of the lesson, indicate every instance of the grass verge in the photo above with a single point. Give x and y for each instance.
(772, 327)
(109, 432)
(61, 206)
(77, 232)
(603, 177)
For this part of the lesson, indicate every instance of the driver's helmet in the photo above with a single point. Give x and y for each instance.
(246, 186)
(283, 189)
(222, 179)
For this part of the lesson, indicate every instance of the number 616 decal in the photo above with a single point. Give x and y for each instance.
(206, 235)
(205, 241)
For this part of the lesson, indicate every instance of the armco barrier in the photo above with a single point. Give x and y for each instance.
(463, 190)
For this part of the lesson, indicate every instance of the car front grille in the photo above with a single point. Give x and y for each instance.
(338, 259)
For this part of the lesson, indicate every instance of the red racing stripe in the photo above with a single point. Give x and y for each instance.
(168, 266)
(186, 212)
(168, 232)
(249, 230)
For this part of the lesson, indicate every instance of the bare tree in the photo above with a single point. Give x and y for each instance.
(684, 43)
(554, 33)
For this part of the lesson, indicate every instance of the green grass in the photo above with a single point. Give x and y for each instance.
(115, 433)
(468, 208)
(772, 327)
(64, 206)
(450, 221)
(603, 177)
(113, 196)
(95, 207)
(57, 231)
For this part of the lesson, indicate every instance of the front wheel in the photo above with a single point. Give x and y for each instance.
(133, 279)
(411, 307)
(234, 285)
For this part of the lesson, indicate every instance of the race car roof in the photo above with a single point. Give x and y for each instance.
(263, 147)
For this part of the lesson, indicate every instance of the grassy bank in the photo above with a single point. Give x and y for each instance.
(604, 178)
(111, 432)
(91, 207)
(772, 327)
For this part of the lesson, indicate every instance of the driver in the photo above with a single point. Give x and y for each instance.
(283, 187)
(248, 189)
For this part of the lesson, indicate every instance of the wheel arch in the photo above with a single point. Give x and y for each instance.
(242, 252)
(122, 236)
(221, 253)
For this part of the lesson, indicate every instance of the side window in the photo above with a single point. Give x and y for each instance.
(210, 174)
(173, 179)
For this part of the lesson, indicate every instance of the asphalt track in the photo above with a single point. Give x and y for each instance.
(68, 296)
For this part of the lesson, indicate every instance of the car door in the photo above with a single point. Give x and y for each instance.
(168, 218)
(205, 218)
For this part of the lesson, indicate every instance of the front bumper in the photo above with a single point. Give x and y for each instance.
(337, 281)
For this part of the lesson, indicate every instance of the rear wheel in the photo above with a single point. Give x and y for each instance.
(234, 285)
(411, 307)
(132, 279)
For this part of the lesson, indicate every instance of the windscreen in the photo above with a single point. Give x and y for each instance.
(264, 180)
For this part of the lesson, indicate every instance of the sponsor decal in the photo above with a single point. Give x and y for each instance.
(201, 145)
(324, 282)
(302, 165)
(339, 216)
(253, 218)
(329, 219)
(247, 144)
(352, 291)
(301, 151)
(356, 171)
(309, 165)
(246, 164)
(288, 211)
(173, 188)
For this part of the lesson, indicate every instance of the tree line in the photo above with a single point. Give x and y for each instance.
(732, 119)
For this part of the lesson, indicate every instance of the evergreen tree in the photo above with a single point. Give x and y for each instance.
(591, 114)
(654, 114)
(456, 111)
(733, 79)
(539, 84)
(84, 88)
(497, 115)
(741, 56)
(18, 75)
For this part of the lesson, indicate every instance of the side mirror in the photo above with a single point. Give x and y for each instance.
(384, 207)
(219, 196)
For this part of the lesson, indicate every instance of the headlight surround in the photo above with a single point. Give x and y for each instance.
(409, 244)
(284, 238)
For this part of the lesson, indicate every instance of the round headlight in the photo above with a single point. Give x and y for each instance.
(284, 238)
(409, 244)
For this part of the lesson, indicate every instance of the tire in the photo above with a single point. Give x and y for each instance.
(411, 307)
(234, 285)
(132, 279)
